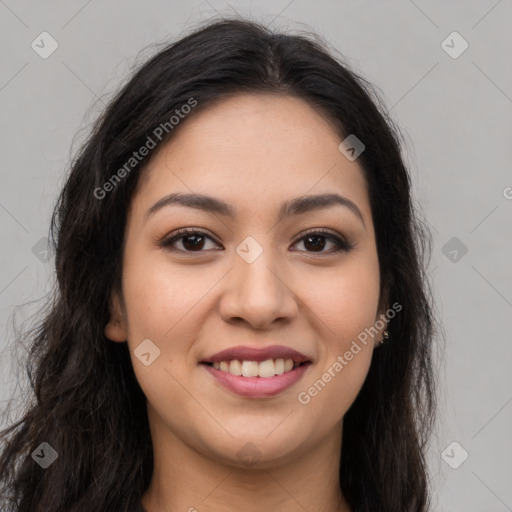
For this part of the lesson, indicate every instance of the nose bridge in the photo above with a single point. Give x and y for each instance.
(258, 291)
(256, 270)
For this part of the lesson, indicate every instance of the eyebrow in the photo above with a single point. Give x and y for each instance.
(296, 206)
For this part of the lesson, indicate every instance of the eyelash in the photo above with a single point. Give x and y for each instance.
(341, 243)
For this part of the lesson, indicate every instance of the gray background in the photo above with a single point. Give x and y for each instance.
(455, 114)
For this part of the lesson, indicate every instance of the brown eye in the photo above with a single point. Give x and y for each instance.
(316, 242)
(191, 240)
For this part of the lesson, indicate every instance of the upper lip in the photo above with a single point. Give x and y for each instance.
(245, 353)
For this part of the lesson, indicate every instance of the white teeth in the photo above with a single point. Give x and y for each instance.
(235, 367)
(266, 368)
(263, 369)
(249, 369)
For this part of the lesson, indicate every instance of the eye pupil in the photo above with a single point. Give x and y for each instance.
(194, 245)
(193, 241)
(317, 246)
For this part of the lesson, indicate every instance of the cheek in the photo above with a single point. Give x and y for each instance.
(344, 304)
(165, 304)
(158, 296)
(160, 305)
(346, 299)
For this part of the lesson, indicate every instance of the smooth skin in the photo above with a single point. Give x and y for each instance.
(196, 297)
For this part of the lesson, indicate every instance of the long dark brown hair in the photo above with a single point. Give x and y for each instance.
(86, 402)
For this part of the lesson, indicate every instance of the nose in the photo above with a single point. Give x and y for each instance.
(258, 294)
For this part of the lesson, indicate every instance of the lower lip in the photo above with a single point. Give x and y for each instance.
(258, 387)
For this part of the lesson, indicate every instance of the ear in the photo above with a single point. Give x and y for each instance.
(115, 330)
(381, 320)
(381, 324)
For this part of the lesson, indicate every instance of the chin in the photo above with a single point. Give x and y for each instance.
(262, 452)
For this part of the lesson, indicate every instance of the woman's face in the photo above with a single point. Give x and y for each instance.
(249, 278)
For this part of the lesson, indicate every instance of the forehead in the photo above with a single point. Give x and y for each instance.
(254, 150)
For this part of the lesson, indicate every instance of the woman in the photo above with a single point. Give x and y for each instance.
(242, 318)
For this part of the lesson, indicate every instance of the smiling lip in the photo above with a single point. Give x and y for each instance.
(244, 353)
(257, 387)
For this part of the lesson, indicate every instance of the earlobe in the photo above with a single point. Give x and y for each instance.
(115, 330)
(381, 323)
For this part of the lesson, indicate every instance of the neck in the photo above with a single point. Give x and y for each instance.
(186, 480)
